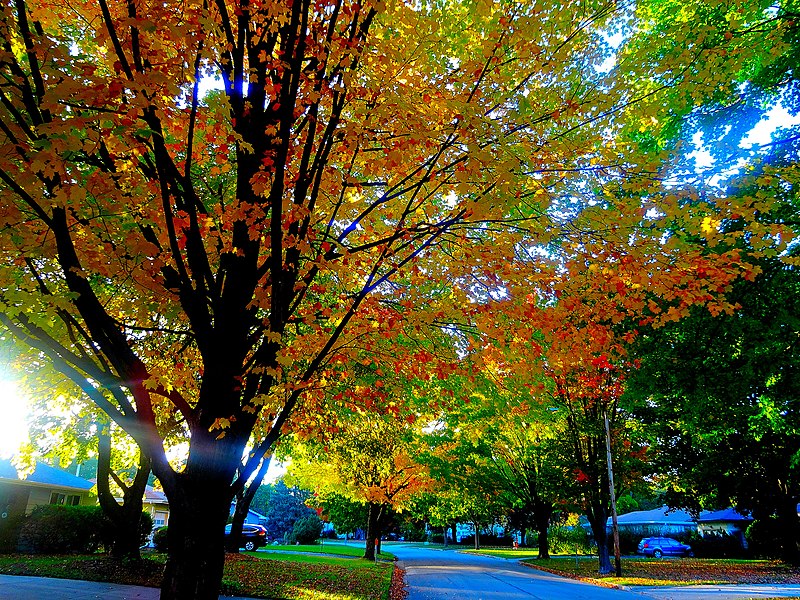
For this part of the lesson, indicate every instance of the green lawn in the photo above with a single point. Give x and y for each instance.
(327, 548)
(505, 552)
(296, 576)
(674, 571)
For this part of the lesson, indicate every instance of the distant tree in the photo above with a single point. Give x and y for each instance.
(286, 505)
(720, 398)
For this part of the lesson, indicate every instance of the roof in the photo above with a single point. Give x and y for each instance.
(45, 475)
(727, 514)
(249, 511)
(154, 496)
(657, 516)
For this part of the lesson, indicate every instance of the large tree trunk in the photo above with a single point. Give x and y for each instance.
(790, 531)
(477, 536)
(373, 530)
(195, 544)
(544, 512)
(598, 516)
(125, 518)
(243, 501)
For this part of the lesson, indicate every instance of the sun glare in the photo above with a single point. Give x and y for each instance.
(13, 418)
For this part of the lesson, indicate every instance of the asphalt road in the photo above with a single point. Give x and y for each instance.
(431, 574)
(434, 574)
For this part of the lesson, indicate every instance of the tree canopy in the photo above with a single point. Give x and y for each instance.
(210, 261)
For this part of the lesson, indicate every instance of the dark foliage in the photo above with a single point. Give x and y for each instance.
(305, 530)
(160, 539)
(62, 530)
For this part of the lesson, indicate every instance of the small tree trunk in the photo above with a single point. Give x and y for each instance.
(444, 534)
(125, 518)
(243, 501)
(544, 511)
(477, 537)
(373, 530)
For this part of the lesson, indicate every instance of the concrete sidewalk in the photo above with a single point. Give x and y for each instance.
(20, 587)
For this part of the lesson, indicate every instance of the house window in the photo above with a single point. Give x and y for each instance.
(67, 499)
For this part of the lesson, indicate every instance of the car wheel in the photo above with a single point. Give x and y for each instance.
(657, 553)
(250, 546)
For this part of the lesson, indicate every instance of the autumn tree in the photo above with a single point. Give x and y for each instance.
(370, 460)
(66, 428)
(200, 260)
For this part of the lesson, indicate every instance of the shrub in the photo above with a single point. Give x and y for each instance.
(108, 534)
(145, 527)
(305, 530)
(435, 538)
(53, 529)
(413, 531)
(628, 541)
(487, 539)
(569, 540)
(160, 539)
(10, 528)
(714, 545)
(762, 536)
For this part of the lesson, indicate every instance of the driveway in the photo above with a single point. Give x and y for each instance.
(19, 587)
(435, 574)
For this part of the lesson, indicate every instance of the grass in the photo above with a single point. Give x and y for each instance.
(328, 548)
(296, 576)
(505, 552)
(669, 572)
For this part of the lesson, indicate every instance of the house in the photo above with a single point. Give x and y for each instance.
(659, 521)
(728, 521)
(252, 518)
(46, 485)
(155, 502)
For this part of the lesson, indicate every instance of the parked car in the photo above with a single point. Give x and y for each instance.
(663, 546)
(252, 538)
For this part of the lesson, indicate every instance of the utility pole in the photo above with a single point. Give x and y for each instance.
(614, 526)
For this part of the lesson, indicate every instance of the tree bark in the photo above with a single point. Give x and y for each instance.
(477, 536)
(598, 516)
(790, 531)
(544, 512)
(195, 544)
(373, 530)
(243, 501)
(125, 518)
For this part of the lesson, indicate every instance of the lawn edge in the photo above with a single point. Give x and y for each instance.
(597, 582)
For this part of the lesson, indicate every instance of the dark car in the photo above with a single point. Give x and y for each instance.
(252, 538)
(663, 546)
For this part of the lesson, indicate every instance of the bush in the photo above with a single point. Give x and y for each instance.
(306, 530)
(331, 534)
(714, 545)
(569, 540)
(487, 539)
(628, 542)
(413, 531)
(762, 536)
(160, 539)
(435, 538)
(53, 529)
(10, 528)
(145, 527)
(108, 534)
